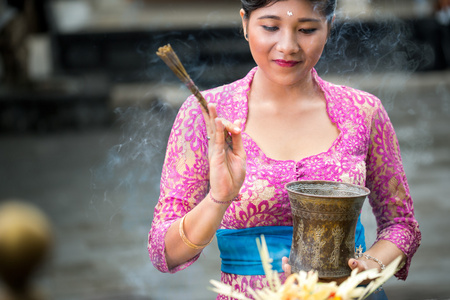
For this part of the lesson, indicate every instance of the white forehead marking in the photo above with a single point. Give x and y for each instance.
(289, 13)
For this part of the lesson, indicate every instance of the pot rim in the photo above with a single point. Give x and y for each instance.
(364, 191)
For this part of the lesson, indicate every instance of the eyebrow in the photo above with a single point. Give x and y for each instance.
(301, 20)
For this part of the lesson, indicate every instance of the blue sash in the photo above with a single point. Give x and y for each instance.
(239, 252)
(240, 255)
(360, 239)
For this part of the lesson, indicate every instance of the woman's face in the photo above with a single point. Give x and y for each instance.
(286, 39)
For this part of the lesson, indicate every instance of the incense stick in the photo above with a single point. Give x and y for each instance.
(168, 55)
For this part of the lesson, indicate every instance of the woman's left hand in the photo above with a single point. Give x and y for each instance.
(361, 265)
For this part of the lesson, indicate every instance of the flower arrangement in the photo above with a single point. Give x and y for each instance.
(306, 285)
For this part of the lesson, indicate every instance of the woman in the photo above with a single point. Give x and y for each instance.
(286, 124)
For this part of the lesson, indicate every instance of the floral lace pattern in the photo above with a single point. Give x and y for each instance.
(365, 153)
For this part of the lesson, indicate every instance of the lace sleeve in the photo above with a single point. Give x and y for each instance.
(184, 179)
(390, 197)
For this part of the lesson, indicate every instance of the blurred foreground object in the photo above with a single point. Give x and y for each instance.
(25, 242)
(306, 285)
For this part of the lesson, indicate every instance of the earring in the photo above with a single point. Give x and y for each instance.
(246, 36)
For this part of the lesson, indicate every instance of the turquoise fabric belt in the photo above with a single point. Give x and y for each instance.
(240, 255)
(239, 252)
(360, 238)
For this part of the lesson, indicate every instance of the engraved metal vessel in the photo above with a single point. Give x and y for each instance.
(325, 215)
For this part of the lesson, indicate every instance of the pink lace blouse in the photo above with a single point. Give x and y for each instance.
(365, 153)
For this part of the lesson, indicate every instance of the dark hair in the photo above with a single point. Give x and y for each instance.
(326, 7)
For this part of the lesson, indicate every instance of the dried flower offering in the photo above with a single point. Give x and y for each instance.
(306, 285)
(168, 55)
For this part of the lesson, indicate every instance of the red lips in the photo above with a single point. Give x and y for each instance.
(286, 63)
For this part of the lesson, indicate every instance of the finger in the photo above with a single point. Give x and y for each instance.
(286, 266)
(233, 128)
(212, 111)
(212, 120)
(227, 127)
(238, 145)
(352, 263)
(219, 137)
(287, 270)
(356, 264)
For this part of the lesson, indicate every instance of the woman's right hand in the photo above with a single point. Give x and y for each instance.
(227, 164)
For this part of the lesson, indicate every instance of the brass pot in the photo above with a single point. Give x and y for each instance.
(325, 215)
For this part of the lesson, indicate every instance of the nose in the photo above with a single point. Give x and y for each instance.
(288, 43)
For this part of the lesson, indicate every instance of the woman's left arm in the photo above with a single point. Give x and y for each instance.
(398, 232)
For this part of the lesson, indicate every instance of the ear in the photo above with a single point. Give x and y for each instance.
(244, 22)
(330, 26)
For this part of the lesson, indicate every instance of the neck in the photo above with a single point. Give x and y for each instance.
(265, 90)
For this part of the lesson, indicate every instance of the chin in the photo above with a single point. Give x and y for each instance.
(292, 79)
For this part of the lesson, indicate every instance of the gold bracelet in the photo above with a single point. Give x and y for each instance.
(185, 239)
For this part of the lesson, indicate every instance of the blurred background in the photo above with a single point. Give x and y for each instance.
(86, 108)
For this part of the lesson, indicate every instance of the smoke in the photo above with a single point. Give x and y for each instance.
(380, 44)
(126, 190)
(126, 185)
(382, 55)
(211, 56)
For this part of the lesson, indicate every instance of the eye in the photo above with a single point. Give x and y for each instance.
(308, 31)
(270, 28)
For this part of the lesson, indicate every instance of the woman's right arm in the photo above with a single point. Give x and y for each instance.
(186, 178)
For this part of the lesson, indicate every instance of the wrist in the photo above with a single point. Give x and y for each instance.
(185, 239)
(221, 201)
(372, 262)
